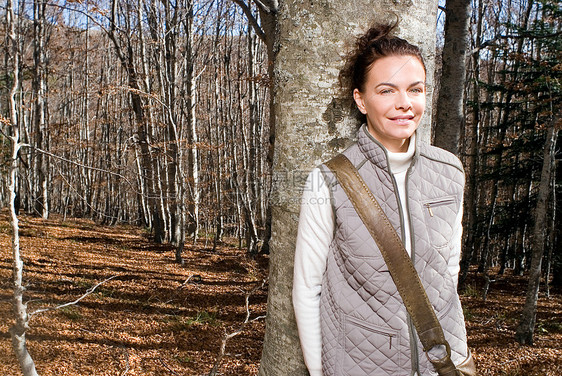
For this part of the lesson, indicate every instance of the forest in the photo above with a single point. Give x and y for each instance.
(158, 130)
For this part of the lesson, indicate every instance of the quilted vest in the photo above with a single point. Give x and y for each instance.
(366, 330)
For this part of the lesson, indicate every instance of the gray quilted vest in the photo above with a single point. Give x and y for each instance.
(365, 327)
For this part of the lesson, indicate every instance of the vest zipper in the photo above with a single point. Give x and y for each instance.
(429, 205)
(411, 329)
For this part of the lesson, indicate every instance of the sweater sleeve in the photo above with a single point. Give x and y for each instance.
(315, 232)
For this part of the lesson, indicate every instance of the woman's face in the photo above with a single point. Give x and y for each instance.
(393, 100)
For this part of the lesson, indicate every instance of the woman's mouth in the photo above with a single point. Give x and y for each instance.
(402, 119)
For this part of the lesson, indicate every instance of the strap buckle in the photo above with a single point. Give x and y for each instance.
(444, 357)
(444, 366)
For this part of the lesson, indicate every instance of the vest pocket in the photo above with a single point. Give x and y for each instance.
(370, 349)
(439, 216)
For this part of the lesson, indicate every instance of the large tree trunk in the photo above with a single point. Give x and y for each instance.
(311, 127)
(524, 333)
(450, 104)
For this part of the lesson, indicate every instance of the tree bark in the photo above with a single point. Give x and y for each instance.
(310, 127)
(39, 89)
(18, 330)
(450, 104)
(192, 194)
(472, 163)
(524, 332)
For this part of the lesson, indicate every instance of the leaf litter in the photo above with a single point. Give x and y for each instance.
(156, 317)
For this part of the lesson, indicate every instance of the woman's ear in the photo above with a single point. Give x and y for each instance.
(358, 97)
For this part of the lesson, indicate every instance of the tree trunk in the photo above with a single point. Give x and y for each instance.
(524, 333)
(551, 231)
(192, 191)
(270, 27)
(147, 162)
(519, 257)
(39, 89)
(472, 163)
(18, 330)
(450, 104)
(307, 131)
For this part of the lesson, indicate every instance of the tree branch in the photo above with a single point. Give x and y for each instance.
(88, 292)
(251, 18)
(77, 163)
(530, 35)
(265, 8)
(228, 336)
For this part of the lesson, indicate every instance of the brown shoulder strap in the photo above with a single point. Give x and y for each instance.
(399, 263)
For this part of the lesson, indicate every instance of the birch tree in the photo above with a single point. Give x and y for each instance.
(18, 330)
(39, 89)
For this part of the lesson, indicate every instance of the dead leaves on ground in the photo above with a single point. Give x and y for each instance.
(156, 317)
(144, 321)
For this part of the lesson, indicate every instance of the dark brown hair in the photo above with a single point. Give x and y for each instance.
(376, 43)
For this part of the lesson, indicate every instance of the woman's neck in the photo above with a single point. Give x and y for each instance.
(400, 161)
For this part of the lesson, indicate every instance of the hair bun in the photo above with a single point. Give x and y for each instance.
(374, 44)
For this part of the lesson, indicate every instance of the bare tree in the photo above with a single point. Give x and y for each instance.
(39, 89)
(470, 150)
(18, 330)
(266, 28)
(526, 327)
(191, 190)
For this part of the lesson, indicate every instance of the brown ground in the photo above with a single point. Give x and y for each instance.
(147, 321)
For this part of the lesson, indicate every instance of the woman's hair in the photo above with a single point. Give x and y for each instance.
(376, 43)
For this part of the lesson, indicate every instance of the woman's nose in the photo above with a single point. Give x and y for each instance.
(403, 102)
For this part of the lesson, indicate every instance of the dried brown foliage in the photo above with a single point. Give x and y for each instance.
(145, 321)
(491, 326)
(149, 321)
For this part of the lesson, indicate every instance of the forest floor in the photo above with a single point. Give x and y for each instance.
(156, 317)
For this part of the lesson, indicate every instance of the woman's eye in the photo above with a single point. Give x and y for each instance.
(386, 91)
(417, 90)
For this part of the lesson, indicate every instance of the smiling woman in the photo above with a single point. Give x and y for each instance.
(350, 314)
(393, 100)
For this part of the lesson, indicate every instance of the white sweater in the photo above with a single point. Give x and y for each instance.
(315, 232)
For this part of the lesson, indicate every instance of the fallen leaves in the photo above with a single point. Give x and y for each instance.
(156, 317)
(140, 322)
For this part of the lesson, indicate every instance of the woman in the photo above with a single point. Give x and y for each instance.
(350, 316)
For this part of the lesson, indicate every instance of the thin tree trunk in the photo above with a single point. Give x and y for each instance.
(551, 232)
(18, 330)
(39, 52)
(148, 163)
(192, 189)
(524, 332)
(519, 252)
